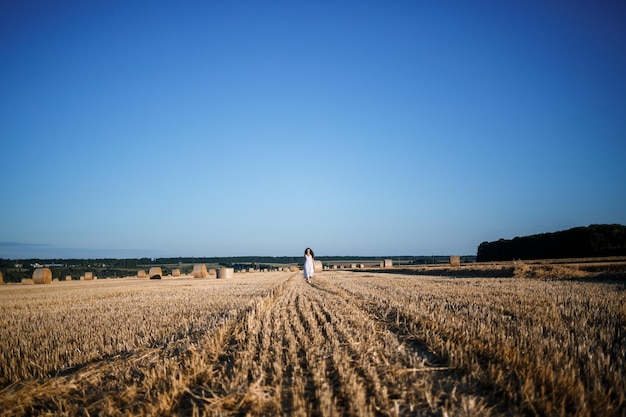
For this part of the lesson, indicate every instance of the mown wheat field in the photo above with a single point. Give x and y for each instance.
(352, 343)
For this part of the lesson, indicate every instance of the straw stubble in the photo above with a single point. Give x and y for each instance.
(352, 343)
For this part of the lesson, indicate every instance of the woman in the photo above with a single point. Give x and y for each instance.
(309, 268)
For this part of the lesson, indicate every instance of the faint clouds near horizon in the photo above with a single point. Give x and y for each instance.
(22, 250)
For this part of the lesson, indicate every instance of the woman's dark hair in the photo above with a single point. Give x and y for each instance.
(310, 250)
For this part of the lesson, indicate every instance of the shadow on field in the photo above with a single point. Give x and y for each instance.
(502, 272)
(618, 279)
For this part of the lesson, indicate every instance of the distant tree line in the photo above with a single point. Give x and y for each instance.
(580, 242)
(232, 260)
(15, 270)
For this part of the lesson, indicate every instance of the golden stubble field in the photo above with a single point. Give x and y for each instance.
(353, 343)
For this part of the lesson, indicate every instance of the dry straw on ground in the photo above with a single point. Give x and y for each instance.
(42, 276)
(350, 343)
(199, 271)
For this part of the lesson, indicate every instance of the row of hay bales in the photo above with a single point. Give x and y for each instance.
(199, 271)
(154, 272)
(291, 268)
(44, 276)
(455, 261)
(386, 263)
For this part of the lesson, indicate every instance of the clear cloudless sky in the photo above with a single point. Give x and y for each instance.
(225, 128)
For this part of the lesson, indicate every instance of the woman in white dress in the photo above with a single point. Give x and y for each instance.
(309, 265)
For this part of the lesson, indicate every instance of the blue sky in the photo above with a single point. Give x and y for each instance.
(260, 128)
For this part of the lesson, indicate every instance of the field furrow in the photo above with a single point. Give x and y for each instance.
(402, 371)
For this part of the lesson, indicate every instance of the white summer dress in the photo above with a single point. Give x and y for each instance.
(308, 266)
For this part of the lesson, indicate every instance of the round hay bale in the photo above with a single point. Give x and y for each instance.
(155, 272)
(455, 261)
(250, 269)
(176, 272)
(387, 263)
(42, 276)
(1, 278)
(353, 266)
(88, 276)
(294, 268)
(224, 273)
(212, 271)
(27, 281)
(318, 266)
(199, 271)
(68, 277)
(141, 274)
